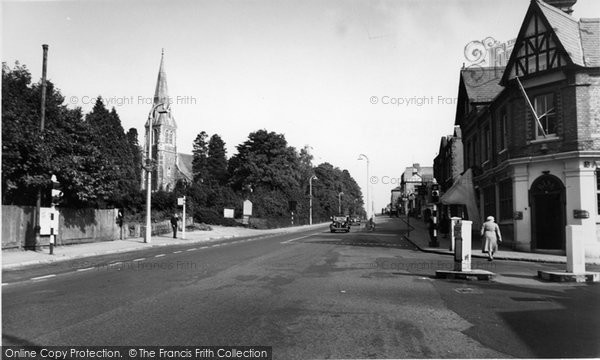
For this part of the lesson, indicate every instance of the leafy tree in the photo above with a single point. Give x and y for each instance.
(29, 157)
(216, 162)
(200, 152)
(116, 154)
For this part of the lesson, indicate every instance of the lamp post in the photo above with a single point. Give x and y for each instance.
(364, 157)
(151, 114)
(314, 177)
(340, 203)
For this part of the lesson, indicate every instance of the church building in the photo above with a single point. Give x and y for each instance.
(169, 165)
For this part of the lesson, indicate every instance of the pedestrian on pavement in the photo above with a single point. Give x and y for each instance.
(174, 220)
(490, 235)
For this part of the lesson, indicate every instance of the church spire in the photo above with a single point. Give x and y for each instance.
(161, 95)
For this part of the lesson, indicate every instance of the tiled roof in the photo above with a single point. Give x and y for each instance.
(589, 29)
(579, 38)
(184, 165)
(567, 30)
(482, 83)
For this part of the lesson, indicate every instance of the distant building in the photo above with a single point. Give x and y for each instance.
(539, 177)
(170, 166)
(448, 166)
(410, 182)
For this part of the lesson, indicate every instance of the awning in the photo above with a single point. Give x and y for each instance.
(462, 192)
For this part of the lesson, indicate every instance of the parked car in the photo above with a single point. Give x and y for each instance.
(339, 223)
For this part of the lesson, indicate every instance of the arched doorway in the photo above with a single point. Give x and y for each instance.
(547, 201)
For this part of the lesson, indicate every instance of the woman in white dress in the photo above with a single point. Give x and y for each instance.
(490, 233)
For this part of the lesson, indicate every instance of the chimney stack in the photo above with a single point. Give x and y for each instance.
(564, 5)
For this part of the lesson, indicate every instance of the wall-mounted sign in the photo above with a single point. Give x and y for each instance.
(581, 214)
(518, 215)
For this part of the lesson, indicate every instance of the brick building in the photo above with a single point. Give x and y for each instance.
(534, 146)
(170, 166)
(448, 166)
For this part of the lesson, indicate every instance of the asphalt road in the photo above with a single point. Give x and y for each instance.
(309, 295)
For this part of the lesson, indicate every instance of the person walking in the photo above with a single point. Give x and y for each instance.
(490, 234)
(174, 220)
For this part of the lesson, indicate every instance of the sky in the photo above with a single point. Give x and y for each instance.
(344, 77)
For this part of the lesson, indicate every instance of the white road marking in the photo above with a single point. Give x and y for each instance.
(159, 255)
(44, 277)
(86, 269)
(140, 259)
(192, 249)
(298, 238)
(177, 252)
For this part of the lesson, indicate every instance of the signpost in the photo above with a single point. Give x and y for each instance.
(247, 211)
(181, 202)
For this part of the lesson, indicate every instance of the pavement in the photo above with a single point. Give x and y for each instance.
(14, 259)
(419, 237)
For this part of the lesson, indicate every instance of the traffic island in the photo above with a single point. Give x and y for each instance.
(575, 261)
(564, 276)
(465, 275)
(461, 238)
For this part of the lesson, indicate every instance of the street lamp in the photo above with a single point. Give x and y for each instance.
(340, 203)
(364, 157)
(151, 114)
(314, 177)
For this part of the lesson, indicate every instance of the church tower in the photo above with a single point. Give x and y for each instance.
(164, 135)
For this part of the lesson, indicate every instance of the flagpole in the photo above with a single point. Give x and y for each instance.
(537, 119)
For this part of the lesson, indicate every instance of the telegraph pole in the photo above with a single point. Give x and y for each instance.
(38, 203)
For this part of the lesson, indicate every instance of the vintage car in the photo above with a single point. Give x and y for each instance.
(339, 223)
(355, 221)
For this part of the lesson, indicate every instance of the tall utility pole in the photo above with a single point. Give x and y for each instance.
(38, 203)
(314, 177)
(368, 204)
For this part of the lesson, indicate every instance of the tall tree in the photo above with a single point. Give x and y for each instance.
(200, 153)
(269, 167)
(216, 162)
(116, 154)
(29, 158)
(136, 151)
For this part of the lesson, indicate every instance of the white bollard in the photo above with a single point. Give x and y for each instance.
(575, 249)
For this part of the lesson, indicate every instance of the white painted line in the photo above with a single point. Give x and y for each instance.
(86, 269)
(204, 247)
(298, 238)
(117, 263)
(44, 277)
(192, 249)
(177, 252)
(4, 284)
(159, 255)
(140, 259)
(216, 245)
